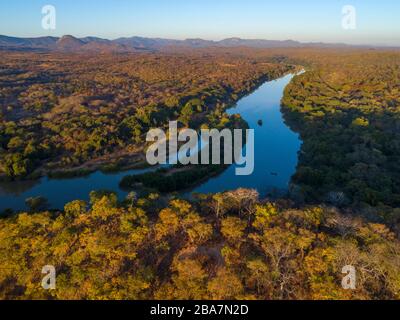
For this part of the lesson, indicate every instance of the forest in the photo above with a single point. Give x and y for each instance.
(223, 246)
(347, 111)
(63, 111)
(67, 114)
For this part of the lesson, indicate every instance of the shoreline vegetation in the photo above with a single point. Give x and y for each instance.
(339, 94)
(181, 178)
(126, 164)
(112, 167)
(177, 178)
(74, 121)
(184, 177)
(346, 110)
(344, 201)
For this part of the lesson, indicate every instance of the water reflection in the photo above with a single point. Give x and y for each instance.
(276, 148)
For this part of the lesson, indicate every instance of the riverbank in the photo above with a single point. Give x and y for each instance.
(187, 180)
(276, 152)
(133, 156)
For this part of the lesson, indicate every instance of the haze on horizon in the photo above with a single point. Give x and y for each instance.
(308, 21)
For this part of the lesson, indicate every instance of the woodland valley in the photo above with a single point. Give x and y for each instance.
(66, 113)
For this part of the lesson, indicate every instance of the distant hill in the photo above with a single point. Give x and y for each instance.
(69, 43)
(43, 42)
(259, 43)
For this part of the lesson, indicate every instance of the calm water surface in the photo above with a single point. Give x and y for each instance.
(276, 148)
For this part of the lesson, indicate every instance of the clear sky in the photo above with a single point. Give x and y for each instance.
(378, 21)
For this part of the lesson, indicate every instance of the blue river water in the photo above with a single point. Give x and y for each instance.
(276, 147)
(276, 153)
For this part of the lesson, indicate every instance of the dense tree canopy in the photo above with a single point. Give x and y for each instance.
(80, 110)
(347, 109)
(64, 110)
(211, 248)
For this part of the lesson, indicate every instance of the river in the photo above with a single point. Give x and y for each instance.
(276, 153)
(275, 145)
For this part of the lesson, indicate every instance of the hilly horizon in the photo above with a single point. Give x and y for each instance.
(134, 43)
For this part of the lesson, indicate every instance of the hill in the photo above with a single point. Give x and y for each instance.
(69, 43)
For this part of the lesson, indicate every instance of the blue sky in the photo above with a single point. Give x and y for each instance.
(378, 22)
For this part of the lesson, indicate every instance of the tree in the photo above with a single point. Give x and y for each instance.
(16, 165)
(361, 122)
(243, 200)
(168, 224)
(96, 196)
(259, 277)
(131, 198)
(75, 208)
(198, 232)
(233, 229)
(187, 283)
(218, 204)
(225, 286)
(186, 114)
